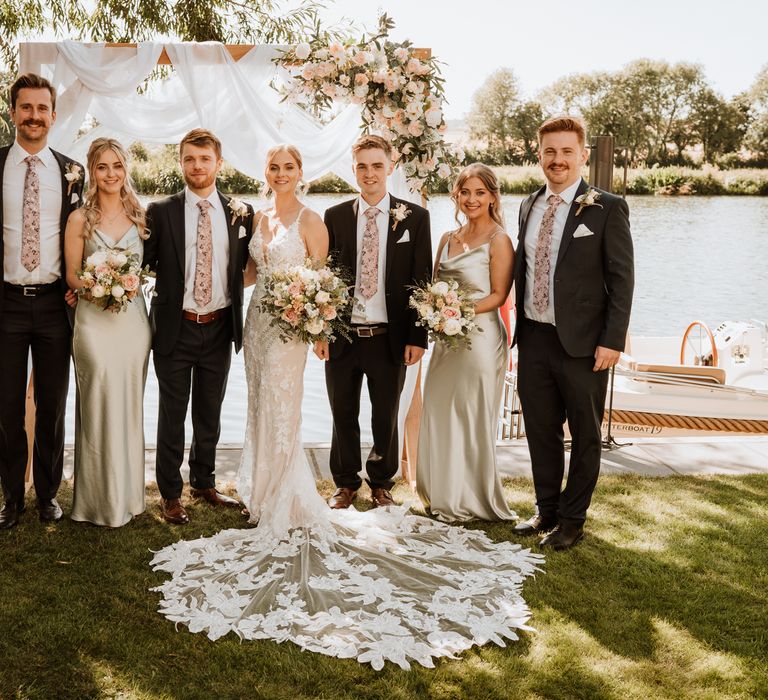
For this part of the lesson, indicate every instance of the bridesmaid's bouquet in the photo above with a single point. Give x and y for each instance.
(445, 311)
(308, 302)
(111, 279)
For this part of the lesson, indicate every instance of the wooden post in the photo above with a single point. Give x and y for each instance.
(601, 163)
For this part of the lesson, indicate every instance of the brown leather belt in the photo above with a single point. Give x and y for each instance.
(204, 318)
(368, 331)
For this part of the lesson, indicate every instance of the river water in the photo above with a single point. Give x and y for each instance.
(696, 258)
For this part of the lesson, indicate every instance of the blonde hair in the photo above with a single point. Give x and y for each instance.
(91, 210)
(293, 152)
(565, 123)
(372, 141)
(490, 182)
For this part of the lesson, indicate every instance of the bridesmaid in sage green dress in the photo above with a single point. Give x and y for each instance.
(456, 475)
(110, 350)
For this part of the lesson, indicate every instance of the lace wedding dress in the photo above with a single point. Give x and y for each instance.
(376, 586)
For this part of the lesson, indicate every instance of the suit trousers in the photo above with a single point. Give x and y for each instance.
(370, 358)
(555, 387)
(38, 324)
(199, 364)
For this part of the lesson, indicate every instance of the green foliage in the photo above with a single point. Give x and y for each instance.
(665, 598)
(329, 184)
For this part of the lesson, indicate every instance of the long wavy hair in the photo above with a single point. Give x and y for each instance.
(91, 210)
(491, 183)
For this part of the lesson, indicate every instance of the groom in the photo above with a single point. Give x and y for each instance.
(574, 276)
(40, 188)
(386, 242)
(198, 245)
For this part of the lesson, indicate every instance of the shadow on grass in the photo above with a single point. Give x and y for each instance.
(668, 592)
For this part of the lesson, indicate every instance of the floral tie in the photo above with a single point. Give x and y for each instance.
(543, 256)
(204, 262)
(369, 260)
(30, 230)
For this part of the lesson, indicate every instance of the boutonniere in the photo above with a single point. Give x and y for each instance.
(399, 213)
(73, 174)
(238, 208)
(588, 199)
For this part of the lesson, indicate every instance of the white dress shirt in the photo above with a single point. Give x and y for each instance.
(49, 173)
(532, 236)
(373, 310)
(220, 244)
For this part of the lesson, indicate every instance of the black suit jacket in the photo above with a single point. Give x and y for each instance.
(67, 207)
(408, 263)
(594, 275)
(164, 253)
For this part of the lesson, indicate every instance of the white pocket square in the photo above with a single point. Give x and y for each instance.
(582, 231)
(405, 238)
(241, 233)
(74, 199)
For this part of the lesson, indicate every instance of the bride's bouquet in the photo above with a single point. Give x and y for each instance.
(445, 311)
(308, 302)
(111, 279)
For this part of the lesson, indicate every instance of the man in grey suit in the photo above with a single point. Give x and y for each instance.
(574, 278)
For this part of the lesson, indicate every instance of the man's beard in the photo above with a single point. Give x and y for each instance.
(195, 181)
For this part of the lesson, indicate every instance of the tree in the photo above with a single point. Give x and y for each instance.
(527, 119)
(492, 118)
(757, 134)
(717, 124)
(227, 21)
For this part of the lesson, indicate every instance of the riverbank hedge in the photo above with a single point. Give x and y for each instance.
(158, 173)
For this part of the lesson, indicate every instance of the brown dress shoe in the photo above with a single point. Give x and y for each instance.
(215, 498)
(173, 511)
(381, 498)
(342, 498)
(563, 537)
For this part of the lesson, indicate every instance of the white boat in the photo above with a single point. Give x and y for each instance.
(699, 382)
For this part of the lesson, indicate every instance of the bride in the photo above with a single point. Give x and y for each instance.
(375, 586)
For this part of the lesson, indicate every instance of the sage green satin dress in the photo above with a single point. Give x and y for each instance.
(111, 353)
(456, 475)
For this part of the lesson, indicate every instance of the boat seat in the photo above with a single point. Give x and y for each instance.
(706, 375)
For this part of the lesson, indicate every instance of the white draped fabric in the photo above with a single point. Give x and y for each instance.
(207, 88)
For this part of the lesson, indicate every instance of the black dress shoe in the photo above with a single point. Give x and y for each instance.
(50, 511)
(563, 537)
(535, 525)
(9, 515)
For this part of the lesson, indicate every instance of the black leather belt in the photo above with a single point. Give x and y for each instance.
(362, 331)
(32, 290)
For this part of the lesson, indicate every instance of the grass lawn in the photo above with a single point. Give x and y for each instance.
(667, 597)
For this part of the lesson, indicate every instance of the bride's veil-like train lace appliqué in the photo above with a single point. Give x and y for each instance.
(376, 586)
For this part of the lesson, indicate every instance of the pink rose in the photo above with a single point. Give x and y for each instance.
(308, 73)
(451, 297)
(329, 313)
(291, 317)
(450, 312)
(130, 283)
(361, 79)
(294, 289)
(415, 129)
(102, 270)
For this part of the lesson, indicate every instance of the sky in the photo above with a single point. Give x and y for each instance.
(543, 41)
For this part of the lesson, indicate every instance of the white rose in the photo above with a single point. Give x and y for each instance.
(98, 291)
(302, 51)
(452, 326)
(434, 117)
(314, 326)
(444, 170)
(440, 288)
(311, 311)
(322, 298)
(98, 258)
(117, 291)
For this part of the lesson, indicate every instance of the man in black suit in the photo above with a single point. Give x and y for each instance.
(40, 188)
(386, 244)
(574, 277)
(198, 245)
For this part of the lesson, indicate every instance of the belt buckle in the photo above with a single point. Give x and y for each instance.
(29, 291)
(197, 318)
(365, 332)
